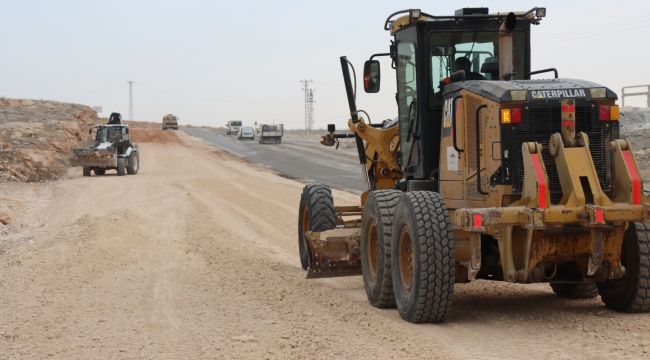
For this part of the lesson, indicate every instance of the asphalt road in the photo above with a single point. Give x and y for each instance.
(292, 159)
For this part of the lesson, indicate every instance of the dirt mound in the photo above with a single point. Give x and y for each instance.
(37, 137)
(146, 132)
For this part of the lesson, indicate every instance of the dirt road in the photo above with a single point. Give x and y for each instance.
(196, 257)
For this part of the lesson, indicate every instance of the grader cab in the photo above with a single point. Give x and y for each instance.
(486, 174)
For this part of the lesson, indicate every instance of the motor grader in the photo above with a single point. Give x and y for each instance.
(485, 174)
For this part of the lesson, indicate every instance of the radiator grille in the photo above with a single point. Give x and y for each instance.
(541, 124)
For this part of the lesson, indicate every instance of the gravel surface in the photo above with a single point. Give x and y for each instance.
(196, 257)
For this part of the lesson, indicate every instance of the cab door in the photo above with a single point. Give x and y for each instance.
(407, 99)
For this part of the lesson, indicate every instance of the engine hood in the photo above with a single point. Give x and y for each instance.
(537, 90)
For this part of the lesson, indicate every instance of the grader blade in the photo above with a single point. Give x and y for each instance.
(334, 253)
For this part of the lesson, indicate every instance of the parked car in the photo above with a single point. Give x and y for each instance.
(246, 132)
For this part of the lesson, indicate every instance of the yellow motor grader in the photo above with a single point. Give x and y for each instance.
(485, 174)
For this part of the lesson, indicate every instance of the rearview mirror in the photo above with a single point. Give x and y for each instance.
(371, 76)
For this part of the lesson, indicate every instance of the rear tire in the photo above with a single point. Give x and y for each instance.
(575, 291)
(376, 231)
(422, 259)
(631, 293)
(99, 171)
(86, 171)
(316, 213)
(133, 164)
(121, 166)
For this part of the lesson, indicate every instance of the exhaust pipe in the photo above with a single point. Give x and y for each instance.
(506, 67)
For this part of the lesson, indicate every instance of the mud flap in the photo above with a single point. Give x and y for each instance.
(334, 253)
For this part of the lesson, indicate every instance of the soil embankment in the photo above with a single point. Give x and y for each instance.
(37, 137)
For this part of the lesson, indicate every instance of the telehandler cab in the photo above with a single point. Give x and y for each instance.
(486, 174)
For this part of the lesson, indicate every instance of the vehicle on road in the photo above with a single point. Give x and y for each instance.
(271, 133)
(488, 174)
(112, 149)
(232, 127)
(246, 132)
(170, 121)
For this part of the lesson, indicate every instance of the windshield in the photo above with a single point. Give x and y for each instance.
(108, 134)
(235, 123)
(471, 51)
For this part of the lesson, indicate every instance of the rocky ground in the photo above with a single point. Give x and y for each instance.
(36, 137)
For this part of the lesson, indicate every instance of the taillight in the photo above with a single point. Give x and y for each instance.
(516, 115)
(511, 116)
(603, 113)
(608, 113)
(506, 116)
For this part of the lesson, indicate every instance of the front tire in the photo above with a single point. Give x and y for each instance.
(86, 171)
(631, 293)
(422, 259)
(376, 231)
(316, 213)
(133, 164)
(121, 166)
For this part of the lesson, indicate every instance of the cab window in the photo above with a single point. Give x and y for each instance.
(470, 51)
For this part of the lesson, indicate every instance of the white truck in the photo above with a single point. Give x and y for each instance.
(233, 126)
(271, 133)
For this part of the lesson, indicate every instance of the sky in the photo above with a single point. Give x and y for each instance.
(213, 61)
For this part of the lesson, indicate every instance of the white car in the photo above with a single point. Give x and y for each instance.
(246, 132)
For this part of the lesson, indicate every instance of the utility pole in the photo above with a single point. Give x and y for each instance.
(309, 103)
(130, 99)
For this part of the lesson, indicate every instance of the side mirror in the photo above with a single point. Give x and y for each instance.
(331, 128)
(90, 131)
(371, 76)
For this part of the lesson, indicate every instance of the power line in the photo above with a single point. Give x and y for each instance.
(309, 103)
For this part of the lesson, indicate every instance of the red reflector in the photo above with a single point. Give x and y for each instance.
(599, 216)
(516, 115)
(477, 221)
(603, 113)
(634, 177)
(541, 181)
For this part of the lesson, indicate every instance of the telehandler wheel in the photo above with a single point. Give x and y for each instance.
(631, 293)
(133, 164)
(575, 291)
(376, 230)
(86, 171)
(316, 213)
(121, 166)
(422, 257)
(99, 171)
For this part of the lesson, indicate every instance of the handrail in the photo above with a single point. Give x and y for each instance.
(478, 150)
(453, 124)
